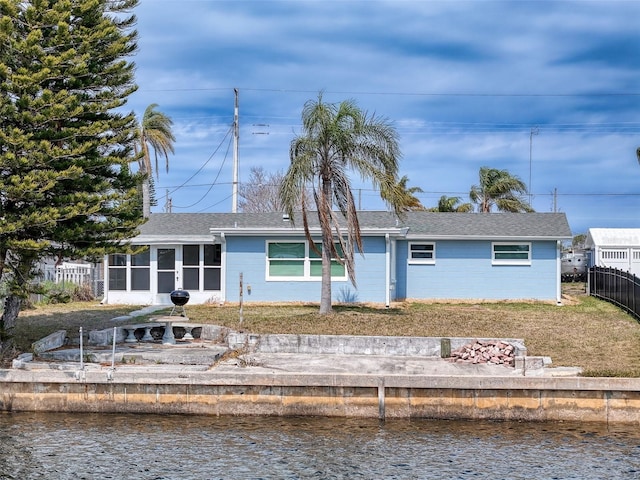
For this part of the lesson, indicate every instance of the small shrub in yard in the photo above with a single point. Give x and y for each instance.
(83, 293)
(65, 292)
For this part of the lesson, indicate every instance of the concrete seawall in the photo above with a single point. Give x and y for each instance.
(286, 375)
(145, 390)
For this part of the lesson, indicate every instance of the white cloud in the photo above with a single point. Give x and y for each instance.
(463, 82)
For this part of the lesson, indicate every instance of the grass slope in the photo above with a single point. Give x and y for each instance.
(585, 332)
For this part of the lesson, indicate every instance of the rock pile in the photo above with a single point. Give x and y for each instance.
(494, 352)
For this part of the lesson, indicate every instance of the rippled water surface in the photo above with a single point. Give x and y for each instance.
(65, 446)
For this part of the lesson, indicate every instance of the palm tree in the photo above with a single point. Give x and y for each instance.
(451, 204)
(408, 202)
(154, 133)
(499, 188)
(338, 139)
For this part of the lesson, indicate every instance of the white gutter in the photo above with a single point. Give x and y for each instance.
(493, 238)
(387, 270)
(105, 281)
(223, 267)
(396, 232)
(559, 273)
(167, 239)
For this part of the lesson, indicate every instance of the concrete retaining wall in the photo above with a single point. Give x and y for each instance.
(356, 345)
(606, 400)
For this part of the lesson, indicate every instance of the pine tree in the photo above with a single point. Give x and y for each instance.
(65, 185)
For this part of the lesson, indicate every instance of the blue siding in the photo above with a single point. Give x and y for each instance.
(463, 270)
(247, 255)
(370, 272)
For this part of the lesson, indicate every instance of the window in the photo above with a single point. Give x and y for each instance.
(212, 266)
(138, 264)
(140, 271)
(286, 259)
(201, 269)
(191, 267)
(315, 262)
(117, 271)
(422, 253)
(201, 259)
(503, 253)
(299, 261)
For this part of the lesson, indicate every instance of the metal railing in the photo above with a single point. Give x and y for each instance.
(616, 286)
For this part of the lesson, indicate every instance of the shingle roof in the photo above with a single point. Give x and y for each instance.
(417, 224)
(487, 225)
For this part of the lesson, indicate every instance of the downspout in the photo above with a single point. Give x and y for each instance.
(105, 281)
(387, 273)
(558, 273)
(223, 268)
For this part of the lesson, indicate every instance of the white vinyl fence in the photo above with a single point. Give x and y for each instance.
(76, 273)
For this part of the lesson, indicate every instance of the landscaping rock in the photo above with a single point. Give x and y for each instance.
(497, 353)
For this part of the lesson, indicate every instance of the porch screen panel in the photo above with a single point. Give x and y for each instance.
(166, 270)
(191, 267)
(166, 282)
(286, 259)
(212, 266)
(166, 259)
(117, 278)
(117, 272)
(140, 270)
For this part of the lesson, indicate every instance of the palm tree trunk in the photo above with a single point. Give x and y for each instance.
(146, 199)
(325, 296)
(324, 212)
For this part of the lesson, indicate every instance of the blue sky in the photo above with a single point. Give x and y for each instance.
(548, 90)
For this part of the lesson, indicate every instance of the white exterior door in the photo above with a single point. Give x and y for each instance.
(168, 268)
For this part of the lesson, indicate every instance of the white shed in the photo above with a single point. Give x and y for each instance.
(615, 248)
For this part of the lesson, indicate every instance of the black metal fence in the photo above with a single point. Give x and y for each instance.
(616, 286)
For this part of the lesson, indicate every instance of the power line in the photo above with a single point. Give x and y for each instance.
(406, 94)
(203, 165)
(214, 180)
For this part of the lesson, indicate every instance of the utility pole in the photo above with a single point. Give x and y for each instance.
(167, 203)
(534, 131)
(236, 138)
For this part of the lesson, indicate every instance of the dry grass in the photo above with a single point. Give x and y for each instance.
(38, 322)
(585, 332)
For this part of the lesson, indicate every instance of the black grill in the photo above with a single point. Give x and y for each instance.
(179, 298)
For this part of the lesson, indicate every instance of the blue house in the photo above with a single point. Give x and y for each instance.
(425, 255)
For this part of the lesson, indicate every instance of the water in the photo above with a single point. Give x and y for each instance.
(91, 446)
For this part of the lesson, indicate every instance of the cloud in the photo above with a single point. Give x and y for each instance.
(464, 83)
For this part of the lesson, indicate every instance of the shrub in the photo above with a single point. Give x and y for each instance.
(57, 292)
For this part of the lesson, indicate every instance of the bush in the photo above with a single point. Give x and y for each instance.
(65, 292)
(83, 293)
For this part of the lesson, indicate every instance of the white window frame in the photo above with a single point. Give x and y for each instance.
(306, 276)
(133, 267)
(423, 261)
(510, 261)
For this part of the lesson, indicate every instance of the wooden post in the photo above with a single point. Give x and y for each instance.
(445, 347)
(241, 298)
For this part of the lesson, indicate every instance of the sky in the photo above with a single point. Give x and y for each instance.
(548, 90)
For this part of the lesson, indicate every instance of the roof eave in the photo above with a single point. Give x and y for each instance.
(417, 236)
(171, 239)
(242, 231)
